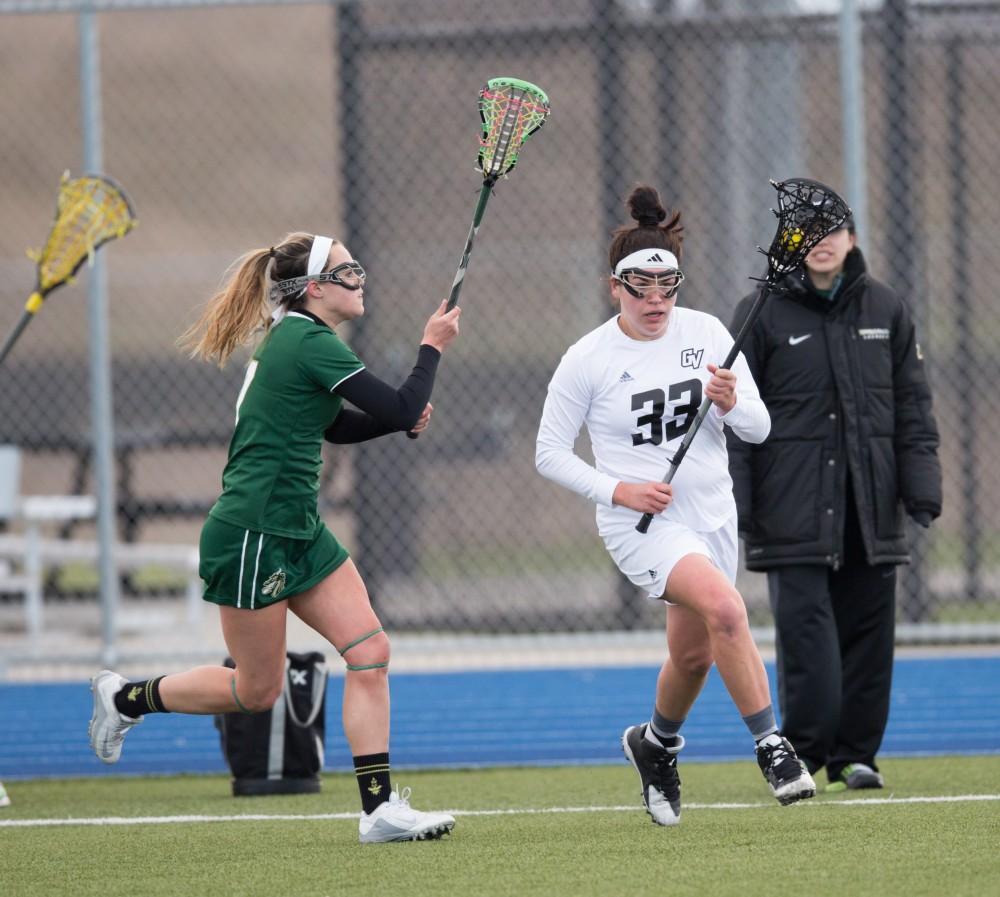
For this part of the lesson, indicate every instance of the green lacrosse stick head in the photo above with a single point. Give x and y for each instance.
(511, 111)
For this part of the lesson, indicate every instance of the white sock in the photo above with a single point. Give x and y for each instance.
(650, 736)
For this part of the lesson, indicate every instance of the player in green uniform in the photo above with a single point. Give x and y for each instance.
(264, 548)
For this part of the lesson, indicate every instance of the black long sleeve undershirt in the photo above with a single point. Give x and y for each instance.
(383, 409)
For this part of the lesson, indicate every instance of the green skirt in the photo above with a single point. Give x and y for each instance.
(247, 569)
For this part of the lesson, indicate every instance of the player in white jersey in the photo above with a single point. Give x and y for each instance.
(636, 382)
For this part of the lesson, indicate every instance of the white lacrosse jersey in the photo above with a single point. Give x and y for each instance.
(638, 398)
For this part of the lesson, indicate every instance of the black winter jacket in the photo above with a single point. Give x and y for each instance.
(845, 386)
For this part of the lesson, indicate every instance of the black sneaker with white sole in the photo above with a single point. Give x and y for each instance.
(856, 776)
(785, 772)
(657, 768)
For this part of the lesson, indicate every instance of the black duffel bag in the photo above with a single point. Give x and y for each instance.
(280, 751)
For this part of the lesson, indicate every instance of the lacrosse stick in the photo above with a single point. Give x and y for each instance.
(511, 111)
(90, 211)
(807, 211)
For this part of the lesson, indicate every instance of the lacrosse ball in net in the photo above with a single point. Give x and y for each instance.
(792, 238)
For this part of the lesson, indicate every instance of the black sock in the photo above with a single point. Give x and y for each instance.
(372, 771)
(139, 698)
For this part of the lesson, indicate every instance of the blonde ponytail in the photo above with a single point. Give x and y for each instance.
(235, 313)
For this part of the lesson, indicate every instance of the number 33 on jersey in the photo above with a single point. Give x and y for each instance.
(638, 398)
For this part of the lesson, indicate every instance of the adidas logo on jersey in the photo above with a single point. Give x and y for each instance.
(626, 378)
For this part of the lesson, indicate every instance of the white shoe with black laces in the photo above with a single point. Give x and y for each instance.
(396, 820)
(785, 772)
(657, 768)
(108, 727)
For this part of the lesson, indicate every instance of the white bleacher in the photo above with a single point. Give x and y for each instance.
(25, 555)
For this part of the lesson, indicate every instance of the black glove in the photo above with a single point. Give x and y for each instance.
(922, 518)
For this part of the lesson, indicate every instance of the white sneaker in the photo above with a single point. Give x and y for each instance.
(108, 727)
(396, 820)
(4, 796)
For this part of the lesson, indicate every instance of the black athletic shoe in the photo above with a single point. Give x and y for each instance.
(855, 776)
(657, 768)
(785, 772)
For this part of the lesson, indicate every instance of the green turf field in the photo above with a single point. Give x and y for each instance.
(573, 831)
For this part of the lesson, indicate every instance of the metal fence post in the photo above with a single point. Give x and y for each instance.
(966, 361)
(613, 185)
(101, 395)
(902, 257)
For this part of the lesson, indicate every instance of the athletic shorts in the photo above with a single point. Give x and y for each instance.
(247, 569)
(647, 559)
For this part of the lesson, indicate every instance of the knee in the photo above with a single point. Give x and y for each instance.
(370, 656)
(727, 615)
(258, 697)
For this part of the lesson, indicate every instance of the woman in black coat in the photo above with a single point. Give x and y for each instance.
(853, 445)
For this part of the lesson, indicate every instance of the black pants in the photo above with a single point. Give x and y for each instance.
(835, 631)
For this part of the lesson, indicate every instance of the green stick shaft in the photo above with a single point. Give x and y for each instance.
(456, 287)
(484, 197)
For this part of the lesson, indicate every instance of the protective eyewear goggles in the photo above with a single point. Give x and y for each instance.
(639, 283)
(349, 275)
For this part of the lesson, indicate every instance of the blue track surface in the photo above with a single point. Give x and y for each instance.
(940, 706)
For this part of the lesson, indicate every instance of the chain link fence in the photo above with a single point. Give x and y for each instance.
(234, 123)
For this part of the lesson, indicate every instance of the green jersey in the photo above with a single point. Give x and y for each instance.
(271, 480)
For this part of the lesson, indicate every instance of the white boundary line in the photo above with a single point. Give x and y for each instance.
(524, 811)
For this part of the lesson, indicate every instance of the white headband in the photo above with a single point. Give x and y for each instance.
(318, 257)
(646, 258)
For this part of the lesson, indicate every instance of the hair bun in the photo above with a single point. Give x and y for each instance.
(645, 206)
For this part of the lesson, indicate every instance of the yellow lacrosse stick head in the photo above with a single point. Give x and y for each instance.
(90, 211)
